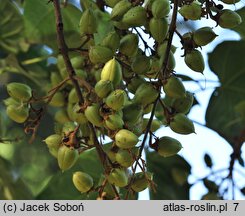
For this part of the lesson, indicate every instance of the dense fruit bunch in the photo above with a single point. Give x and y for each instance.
(118, 85)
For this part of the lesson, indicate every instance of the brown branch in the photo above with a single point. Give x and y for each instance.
(172, 28)
(64, 50)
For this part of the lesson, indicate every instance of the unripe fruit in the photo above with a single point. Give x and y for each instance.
(124, 158)
(68, 127)
(67, 157)
(182, 125)
(92, 113)
(116, 99)
(112, 71)
(82, 181)
(204, 36)
(192, 11)
(61, 116)
(160, 8)
(111, 41)
(134, 83)
(171, 61)
(17, 114)
(158, 29)
(168, 146)
(194, 60)
(132, 113)
(183, 105)
(129, 44)
(118, 177)
(174, 88)
(125, 139)
(77, 115)
(88, 24)
(114, 122)
(230, 1)
(141, 181)
(155, 124)
(229, 19)
(81, 74)
(72, 97)
(53, 141)
(161, 49)
(135, 16)
(145, 94)
(112, 3)
(120, 9)
(11, 101)
(141, 64)
(58, 100)
(77, 62)
(19, 91)
(103, 88)
(100, 54)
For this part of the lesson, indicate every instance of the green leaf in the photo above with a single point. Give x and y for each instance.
(227, 61)
(61, 185)
(169, 186)
(40, 23)
(11, 26)
(13, 187)
(241, 28)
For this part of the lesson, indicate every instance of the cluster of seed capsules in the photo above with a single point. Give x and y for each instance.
(120, 85)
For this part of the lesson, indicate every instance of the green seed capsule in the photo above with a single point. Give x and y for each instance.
(145, 94)
(155, 124)
(126, 139)
(112, 3)
(77, 115)
(118, 177)
(112, 71)
(183, 105)
(124, 158)
(88, 24)
(230, 1)
(168, 146)
(194, 60)
(160, 8)
(92, 113)
(129, 45)
(116, 99)
(55, 79)
(182, 125)
(103, 88)
(19, 91)
(229, 19)
(100, 54)
(132, 113)
(141, 181)
(112, 41)
(174, 88)
(72, 97)
(82, 181)
(114, 122)
(204, 36)
(191, 11)
(58, 100)
(67, 157)
(68, 127)
(120, 9)
(135, 16)
(141, 64)
(158, 29)
(11, 101)
(134, 83)
(17, 114)
(53, 141)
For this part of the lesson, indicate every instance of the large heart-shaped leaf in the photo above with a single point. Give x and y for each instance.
(227, 61)
(40, 23)
(12, 186)
(11, 26)
(170, 175)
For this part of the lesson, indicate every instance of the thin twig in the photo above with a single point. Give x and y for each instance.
(172, 28)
